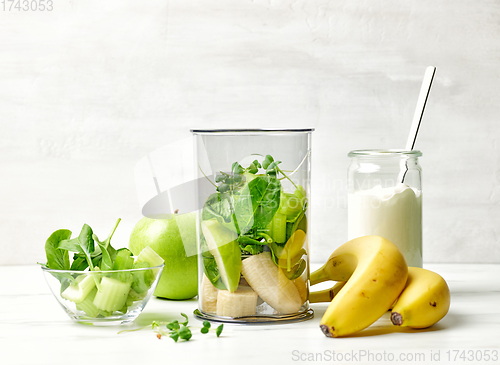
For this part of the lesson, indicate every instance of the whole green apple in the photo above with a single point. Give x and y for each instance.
(179, 279)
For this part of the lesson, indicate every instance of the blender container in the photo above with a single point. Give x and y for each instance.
(254, 198)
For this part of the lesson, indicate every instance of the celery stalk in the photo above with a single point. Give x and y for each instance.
(88, 306)
(279, 228)
(112, 295)
(269, 229)
(104, 313)
(135, 296)
(291, 206)
(78, 291)
(123, 261)
(151, 257)
(142, 279)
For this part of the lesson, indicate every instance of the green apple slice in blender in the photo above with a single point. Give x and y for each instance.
(223, 245)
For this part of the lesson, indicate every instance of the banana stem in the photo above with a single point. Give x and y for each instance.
(319, 276)
(326, 295)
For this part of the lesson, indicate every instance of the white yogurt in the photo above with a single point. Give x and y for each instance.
(394, 213)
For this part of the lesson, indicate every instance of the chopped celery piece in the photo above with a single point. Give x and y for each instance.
(269, 229)
(129, 301)
(78, 291)
(142, 279)
(112, 295)
(88, 306)
(300, 193)
(124, 308)
(104, 313)
(291, 206)
(151, 257)
(123, 261)
(279, 228)
(135, 296)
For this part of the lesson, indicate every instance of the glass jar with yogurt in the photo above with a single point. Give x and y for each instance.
(385, 199)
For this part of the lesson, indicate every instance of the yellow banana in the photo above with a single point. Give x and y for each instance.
(238, 304)
(208, 296)
(424, 301)
(271, 284)
(376, 273)
(301, 286)
(325, 295)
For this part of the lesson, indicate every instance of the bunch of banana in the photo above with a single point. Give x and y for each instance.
(372, 276)
(375, 272)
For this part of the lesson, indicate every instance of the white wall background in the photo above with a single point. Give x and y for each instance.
(89, 88)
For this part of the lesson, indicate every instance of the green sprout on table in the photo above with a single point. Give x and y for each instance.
(177, 330)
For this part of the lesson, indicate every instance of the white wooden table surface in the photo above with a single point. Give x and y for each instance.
(35, 330)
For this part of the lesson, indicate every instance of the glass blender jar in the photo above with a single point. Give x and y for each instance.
(254, 195)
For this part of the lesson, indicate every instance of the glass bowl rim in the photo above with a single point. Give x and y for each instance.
(46, 269)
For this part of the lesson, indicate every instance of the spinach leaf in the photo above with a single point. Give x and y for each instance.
(220, 207)
(210, 266)
(245, 240)
(254, 241)
(87, 243)
(258, 202)
(217, 206)
(244, 209)
(251, 245)
(106, 260)
(86, 254)
(212, 271)
(57, 259)
(96, 255)
(81, 259)
(108, 253)
(72, 245)
(79, 263)
(103, 255)
(253, 249)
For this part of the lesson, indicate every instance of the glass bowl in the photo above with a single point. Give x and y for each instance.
(103, 297)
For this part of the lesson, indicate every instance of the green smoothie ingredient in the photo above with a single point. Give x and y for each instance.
(250, 213)
(177, 330)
